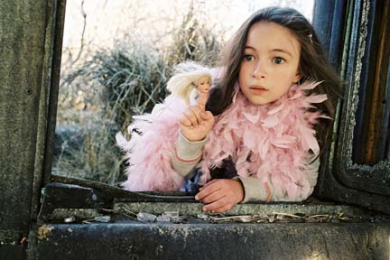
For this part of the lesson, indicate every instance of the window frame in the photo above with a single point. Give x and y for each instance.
(336, 172)
(339, 178)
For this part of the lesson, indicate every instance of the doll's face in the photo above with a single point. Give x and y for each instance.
(203, 84)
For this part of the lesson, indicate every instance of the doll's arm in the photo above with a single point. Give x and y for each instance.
(186, 155)
(256, 191)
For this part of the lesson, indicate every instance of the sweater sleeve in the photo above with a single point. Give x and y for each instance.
(186, 155)
(255, 190)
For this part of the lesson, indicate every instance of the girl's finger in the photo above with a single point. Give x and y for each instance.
(206, 191)
(202, 100)
(213, 197)
(190, 115)
(197, 112)
(207, 115)
(209, 183)
(215, 205)
(222, 209)
(185, 122)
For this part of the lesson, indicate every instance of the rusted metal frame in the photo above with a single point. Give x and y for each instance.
(375, 179)
(379, 88)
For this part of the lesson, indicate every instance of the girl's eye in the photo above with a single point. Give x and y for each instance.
(278, 60)
(249, 57)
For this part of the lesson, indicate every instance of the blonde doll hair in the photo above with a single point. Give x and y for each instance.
(185, 76)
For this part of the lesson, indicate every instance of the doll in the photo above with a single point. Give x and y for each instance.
(191, 82)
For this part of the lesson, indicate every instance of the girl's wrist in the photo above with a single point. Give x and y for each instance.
(195, 140)
(239, 191)
(192, 140)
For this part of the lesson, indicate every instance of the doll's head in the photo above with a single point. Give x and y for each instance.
(189, 78)
(203, 84)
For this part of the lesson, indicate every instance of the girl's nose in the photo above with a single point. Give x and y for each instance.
(259, 71)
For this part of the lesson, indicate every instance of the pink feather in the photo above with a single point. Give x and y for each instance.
(278, 137)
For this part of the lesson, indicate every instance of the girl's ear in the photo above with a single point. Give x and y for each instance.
(297, 77)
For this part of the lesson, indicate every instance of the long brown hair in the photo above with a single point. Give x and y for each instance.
(313, 63)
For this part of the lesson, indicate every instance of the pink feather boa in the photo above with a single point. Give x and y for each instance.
(271, 142)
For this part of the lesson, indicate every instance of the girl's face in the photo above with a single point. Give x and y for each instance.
(270, 63)
(203, 84)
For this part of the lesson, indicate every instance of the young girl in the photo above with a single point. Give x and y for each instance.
(255, 139)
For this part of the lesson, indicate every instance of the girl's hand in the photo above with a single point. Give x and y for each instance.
(221, 195)
(196, 123)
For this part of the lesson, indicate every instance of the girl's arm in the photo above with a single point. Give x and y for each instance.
(186, 155)
(195, 123)
(255, 190)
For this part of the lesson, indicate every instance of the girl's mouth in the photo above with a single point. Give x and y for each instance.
(258, 90)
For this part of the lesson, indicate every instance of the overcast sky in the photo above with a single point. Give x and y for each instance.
(108, 21)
